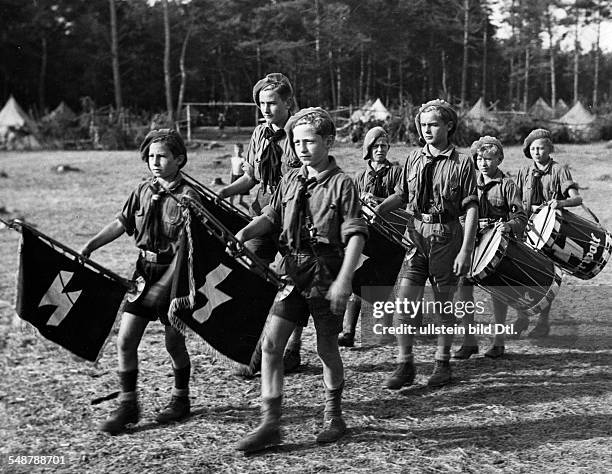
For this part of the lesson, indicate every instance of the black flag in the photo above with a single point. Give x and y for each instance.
(67, 302)
(216, 296)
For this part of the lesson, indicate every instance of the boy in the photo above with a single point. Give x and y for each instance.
(317, 212)
(499, 203)
(155, 220)
(544, 181)
(378, 180)
(438, 185)
(268, 157)
(237, 160)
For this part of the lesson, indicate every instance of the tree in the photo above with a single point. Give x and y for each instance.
(115, 56)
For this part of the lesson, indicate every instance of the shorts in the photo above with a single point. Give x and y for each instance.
(297, 308)
(152, 303)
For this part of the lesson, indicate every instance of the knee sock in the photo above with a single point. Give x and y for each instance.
(127, 381)
(181, 381)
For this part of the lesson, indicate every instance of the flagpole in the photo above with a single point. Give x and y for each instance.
(15, 223)
(214, 196)
(223, 234)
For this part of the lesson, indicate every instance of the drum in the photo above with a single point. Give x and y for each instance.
(514, 273)
(580, 247)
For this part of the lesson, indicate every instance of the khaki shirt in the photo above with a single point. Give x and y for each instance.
(502, 202)
(137, 205)
(334, 205)
(454, 188)
(254, 152)
(390, 180)
(555, 184)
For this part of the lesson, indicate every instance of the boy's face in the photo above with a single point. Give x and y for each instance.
(379, 150)
(162, 163)
(488, 162)
(311, 148)
(434, 130)
(540, 151)
(274, 109)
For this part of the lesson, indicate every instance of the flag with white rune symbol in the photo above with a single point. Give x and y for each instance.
(215, 295)
(70, 304)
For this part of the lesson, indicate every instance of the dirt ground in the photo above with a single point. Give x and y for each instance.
(546, 407)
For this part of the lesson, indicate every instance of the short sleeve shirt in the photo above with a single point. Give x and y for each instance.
(334, 205)
(257, 145)
(132, 216)
(365, 180)
(555, 184)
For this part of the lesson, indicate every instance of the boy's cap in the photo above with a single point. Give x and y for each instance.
(170, 136)
(373, 134)
(487, 140)
(437, 103)
(303, 113)
(272, 78)
(532, 137)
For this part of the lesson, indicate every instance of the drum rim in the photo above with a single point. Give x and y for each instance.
(492, 264)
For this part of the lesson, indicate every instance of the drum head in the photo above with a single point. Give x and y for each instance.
(486, 250)
(541, 226)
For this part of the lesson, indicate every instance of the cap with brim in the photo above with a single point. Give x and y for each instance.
(436, 103)
(373, 134)
(168, 135)
(270, 79)
(533, 136)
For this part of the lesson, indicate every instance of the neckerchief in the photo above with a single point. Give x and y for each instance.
(375, 179)
(152, 222)
(537, 191)
(270, 164)
(426, 191)
(299, 225)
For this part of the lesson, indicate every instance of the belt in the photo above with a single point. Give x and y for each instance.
(153, 257)
(440, 218)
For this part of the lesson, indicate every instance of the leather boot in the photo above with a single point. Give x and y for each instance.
(335, 427)
(441, 374)
(128, 412)
(178, 409)
(267, 434)
(403, 374)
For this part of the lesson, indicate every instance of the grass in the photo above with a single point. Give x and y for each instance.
(546, 407)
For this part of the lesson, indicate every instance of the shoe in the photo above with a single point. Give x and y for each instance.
(495, 352)
(292, 359)
(521, 324)
(267, 434)
(128, 412)
(346, 339)
(335, 428)
(540, 330)
(465, 352)
(403, 375)
(178, 409)
(441, 374)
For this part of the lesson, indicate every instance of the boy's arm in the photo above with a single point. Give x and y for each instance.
(259, 226)
(341, 289)
(462, 262)
(517, 217)
(242, 185)
(391, 203)
(574, 199)
(106, 235)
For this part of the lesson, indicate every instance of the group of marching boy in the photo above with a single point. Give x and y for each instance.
(307, 218)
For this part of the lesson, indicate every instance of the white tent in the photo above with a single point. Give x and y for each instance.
(561, 107)
(540, 109)
(17, 129)
(479, 111)
(579, 123)
(371, 111)
(62, 113)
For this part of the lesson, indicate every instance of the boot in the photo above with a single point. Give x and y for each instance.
(441, 374)
(465, 352)
(127, 412)
(403, 374)
(292, 359)
(267, 434)
(346, 339)
(335, 427)
(521, 324)
(495, 352)
(541, 329)
(178, 409)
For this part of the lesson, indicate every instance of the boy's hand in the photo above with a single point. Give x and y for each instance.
(86, 251)
(503, 226)
(554, 204)
(339, 293)
(461, 265)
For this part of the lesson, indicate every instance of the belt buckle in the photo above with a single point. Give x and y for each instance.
(150, 256)
(427, 218)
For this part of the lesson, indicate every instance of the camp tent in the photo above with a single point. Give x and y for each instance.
(561, 108)
(579, 123)
(62, 113)
(371, 111)
(17, 129)
(479, 117)
(541, 110)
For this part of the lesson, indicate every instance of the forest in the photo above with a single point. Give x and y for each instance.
(153, 56)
